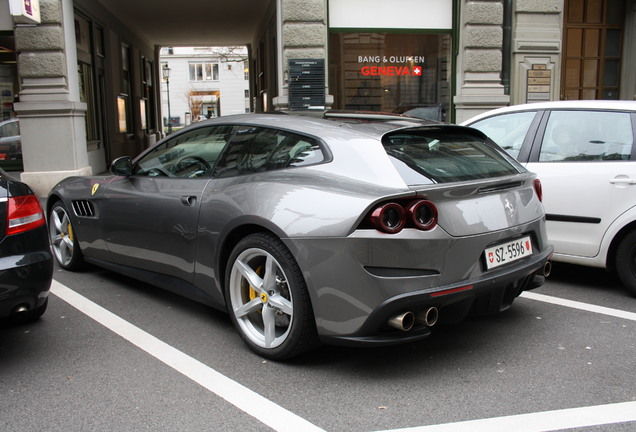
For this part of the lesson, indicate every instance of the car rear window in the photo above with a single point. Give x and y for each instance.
(444, 155)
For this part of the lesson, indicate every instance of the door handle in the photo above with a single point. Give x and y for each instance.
(622, 180)
(188, 200)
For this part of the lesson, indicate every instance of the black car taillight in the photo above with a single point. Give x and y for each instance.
(392, 217)
(24, 213)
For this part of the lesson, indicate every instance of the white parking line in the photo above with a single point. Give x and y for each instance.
(241, 397)
(281, 419)
(581, 306)
(541, 421)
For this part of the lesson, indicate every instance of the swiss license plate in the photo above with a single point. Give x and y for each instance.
(508, 252)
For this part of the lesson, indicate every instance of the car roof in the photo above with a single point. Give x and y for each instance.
(374, 128)
(605, 105)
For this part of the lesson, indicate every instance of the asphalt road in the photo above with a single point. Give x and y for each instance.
(113, 354)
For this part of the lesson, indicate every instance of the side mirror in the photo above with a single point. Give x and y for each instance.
(122, 166)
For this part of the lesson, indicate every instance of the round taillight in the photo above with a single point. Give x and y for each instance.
(423, 214)
(538, 189)
(389, 218)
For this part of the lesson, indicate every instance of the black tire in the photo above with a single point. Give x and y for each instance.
(626, 262)
(272, 310)
(64, 243)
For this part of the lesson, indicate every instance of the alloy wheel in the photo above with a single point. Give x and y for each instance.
(260, 298)
(61, 235)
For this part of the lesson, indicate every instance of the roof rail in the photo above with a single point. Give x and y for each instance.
(367, 115)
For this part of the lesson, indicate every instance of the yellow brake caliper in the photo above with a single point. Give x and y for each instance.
(253, 293)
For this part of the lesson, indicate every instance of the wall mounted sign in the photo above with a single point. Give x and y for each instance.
(25, 11)
(539, 83)
(306, 84)
(394, 14)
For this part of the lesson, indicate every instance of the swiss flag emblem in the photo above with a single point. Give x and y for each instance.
(491, 257)
(417, 70)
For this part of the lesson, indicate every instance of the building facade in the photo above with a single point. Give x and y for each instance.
(205, 82)
(87, 82)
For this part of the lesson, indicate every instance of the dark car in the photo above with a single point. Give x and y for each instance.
(26, 262)
(306, 230)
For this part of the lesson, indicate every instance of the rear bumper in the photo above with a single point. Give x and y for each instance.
(490, 293)
(25, 281)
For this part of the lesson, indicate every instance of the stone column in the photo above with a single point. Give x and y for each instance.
(52, 117)
(303, 36)
(536, 63)
(479, 64)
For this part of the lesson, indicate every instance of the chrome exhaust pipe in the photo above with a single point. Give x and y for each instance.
(428, 317)
(19, 310)
(403, 321)
(547, 268)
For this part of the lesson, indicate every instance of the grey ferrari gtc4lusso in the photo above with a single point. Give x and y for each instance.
(311, 230)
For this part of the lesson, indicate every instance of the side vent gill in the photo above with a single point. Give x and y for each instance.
(83, 208)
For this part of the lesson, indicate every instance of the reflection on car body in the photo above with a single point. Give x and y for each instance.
(309, 230)
(584, 153)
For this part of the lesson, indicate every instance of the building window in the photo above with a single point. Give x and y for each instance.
(88, 92)
(204, 71)
(392, 72)
(246, 72)
(147, 104)
(124, 105)
(592, 48)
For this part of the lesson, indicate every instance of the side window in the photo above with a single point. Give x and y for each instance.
(507, 130)
(256, 149)
(587, 136)
(189, 155)
(10, 129)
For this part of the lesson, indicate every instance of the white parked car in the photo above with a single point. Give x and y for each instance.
(584, 154)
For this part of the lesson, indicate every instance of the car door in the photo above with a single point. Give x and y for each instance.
(585, 161)
(150, 219)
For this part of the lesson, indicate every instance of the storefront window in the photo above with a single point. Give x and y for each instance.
(392, 72)
(86, 78)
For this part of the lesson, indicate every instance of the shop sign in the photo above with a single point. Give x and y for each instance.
(392, 65)
(25, 11)
(391, 71)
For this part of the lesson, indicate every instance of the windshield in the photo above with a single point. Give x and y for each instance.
(445, 155)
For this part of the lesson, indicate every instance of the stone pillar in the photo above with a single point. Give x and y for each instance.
(479, 64)
(52, 117)
(536, 58)
(303, 35)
